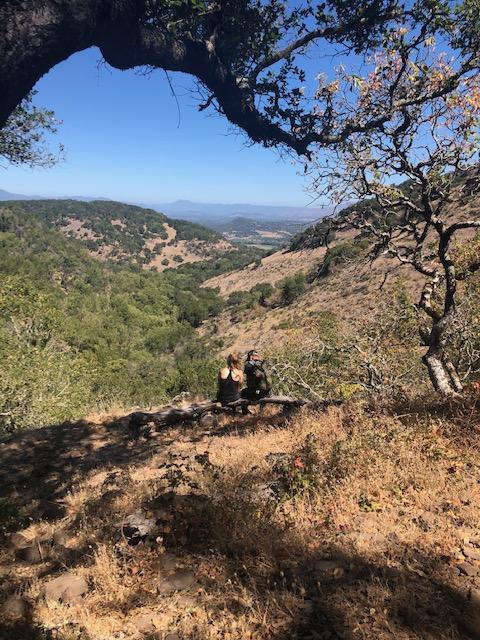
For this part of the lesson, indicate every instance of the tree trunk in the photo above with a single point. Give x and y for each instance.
(441, 370)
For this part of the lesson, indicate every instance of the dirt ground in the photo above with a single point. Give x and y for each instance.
(336, 524)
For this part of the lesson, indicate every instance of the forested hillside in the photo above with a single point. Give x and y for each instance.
(127, 234)
(78, 333)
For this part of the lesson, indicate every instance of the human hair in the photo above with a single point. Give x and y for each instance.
(233, 360)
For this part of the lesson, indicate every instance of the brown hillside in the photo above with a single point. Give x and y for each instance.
(168, 249)
(351, 291)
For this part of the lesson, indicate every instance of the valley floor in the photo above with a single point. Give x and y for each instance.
(355, 522)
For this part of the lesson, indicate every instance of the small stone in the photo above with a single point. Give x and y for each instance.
(67, 588)
(327, 566)
(181, 579)
(471, 553)
(167, 562)
(34, 554)
(14, 607)
(143, 623)
(137, 526)
(172, 636)
(467, 569)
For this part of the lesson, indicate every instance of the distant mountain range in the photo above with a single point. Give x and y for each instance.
(197, 211)
(7, 195)
(208, 214)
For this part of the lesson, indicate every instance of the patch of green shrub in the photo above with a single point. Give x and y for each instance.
(292, 287)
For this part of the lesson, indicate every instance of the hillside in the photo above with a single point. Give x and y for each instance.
(358, 521)
(78, 333)
(125, 233)
(341, 281)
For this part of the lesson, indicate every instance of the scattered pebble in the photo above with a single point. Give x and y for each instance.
(181, 579)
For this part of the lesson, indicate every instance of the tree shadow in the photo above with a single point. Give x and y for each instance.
(331, 592)
(397, 592)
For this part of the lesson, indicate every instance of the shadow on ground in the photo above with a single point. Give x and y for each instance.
(321, 591)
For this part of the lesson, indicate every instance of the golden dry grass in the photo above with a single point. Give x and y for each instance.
(392, 502)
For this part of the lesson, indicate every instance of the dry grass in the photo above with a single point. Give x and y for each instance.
(392, 502)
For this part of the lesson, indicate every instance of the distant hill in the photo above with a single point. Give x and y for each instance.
(7, 195)
(206, 213)
(126, 233)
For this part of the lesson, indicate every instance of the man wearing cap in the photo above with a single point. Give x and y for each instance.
(258, 384)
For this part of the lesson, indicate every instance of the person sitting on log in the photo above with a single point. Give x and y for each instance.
(258, 383)
(230, 380)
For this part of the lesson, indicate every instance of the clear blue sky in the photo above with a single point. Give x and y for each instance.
(122, 141)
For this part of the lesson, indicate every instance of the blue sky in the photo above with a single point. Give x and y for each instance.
(124, 140)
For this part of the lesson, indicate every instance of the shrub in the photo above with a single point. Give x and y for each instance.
(340, 254)
(292, 287)
(262, 292)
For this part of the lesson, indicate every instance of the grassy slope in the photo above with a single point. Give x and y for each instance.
(350, 291)
(379, 549)
(76, 332)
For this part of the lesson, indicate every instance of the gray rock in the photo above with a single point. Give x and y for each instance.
(181, 579)
(167, 562)
(467, 568)
(14, 607)
(471, 553)
(137, 526)
(67, 588)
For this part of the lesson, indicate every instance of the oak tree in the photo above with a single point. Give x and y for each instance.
(245, 54)
(410, 176)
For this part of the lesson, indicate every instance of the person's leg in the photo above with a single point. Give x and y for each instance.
(245, 395)
(263, 394)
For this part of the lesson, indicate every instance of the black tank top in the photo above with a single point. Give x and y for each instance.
(228, 389)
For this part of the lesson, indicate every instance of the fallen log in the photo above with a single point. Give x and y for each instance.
(170, 416)
(286, 401)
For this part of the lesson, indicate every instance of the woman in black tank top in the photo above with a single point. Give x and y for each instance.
(230, 380)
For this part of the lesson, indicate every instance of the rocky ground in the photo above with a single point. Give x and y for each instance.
(349, 523)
